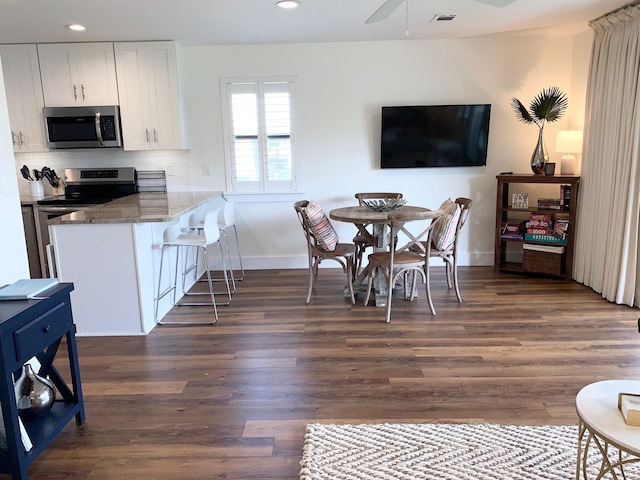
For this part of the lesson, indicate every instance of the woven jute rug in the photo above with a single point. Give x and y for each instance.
(443, 452)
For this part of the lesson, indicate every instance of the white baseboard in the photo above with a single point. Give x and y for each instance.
(270, 263)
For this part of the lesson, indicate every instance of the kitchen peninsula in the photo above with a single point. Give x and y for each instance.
(111, 253)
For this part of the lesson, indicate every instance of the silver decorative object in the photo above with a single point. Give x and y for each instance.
(385, 205)
(540, 155)
(34, 394)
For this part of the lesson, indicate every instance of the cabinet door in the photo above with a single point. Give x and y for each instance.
(96, 73)
(134, 97)
(164, 97)
(24, 97)
(149, 95)
(77, 74)
(60, 85)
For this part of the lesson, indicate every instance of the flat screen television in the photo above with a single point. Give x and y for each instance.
(435, 136)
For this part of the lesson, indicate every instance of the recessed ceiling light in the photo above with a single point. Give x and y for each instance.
(75, 27)
(288, 3)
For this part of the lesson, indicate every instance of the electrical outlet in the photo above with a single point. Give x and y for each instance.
(169, 170)
(206, 171)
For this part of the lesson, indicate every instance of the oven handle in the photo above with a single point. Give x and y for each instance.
(99, 130)
(62, 210)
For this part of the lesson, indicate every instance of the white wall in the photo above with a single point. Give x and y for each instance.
(341, 89)
(13, 251)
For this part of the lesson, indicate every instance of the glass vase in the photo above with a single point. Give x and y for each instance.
(540, 155)
(34, 394)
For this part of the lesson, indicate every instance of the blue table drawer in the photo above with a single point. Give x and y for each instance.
(42, 331)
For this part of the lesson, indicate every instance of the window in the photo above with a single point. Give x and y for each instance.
(259, 136)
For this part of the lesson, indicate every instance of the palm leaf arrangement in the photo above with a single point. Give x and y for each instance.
(548, 106)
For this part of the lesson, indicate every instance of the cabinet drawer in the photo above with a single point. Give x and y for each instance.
(38, 334)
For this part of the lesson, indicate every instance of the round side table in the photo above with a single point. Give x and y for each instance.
(601, 425)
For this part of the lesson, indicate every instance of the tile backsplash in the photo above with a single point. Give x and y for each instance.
(174, 162)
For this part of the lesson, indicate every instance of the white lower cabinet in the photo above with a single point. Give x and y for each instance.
(24, 97)
(148, 87)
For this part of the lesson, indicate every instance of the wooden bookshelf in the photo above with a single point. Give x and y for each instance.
(505, 212)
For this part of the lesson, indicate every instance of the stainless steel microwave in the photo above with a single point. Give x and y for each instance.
(82, 127)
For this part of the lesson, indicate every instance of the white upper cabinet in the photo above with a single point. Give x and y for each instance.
(77, 74)
(150, 108)
(24, 97)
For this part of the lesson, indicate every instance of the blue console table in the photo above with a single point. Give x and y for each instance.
(37, 328)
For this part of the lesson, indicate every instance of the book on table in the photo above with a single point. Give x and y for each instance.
(629, 406)
(27, 288)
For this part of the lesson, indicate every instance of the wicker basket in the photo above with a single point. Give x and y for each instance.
(543, 262)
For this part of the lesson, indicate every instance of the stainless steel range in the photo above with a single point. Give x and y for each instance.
(84, 188)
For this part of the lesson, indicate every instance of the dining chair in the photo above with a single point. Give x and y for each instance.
(401, 260)
(323, 244)
(445, 236)
(363, 241)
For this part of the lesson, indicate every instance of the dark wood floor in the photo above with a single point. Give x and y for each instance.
(231, 401)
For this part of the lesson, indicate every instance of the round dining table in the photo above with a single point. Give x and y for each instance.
(361, 217)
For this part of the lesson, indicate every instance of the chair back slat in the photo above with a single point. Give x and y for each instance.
(299, 208)
(416, 241)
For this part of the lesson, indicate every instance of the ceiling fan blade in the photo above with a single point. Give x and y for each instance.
(496, 3)
(386, 9)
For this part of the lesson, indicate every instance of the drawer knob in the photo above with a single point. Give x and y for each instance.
(46, 329)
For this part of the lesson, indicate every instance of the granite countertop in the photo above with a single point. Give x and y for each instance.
(138, 208)
(26, 199)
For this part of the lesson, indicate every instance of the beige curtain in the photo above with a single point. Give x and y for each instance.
(606, 255)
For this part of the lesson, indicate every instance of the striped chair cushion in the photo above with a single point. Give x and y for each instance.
(320, 227)
(445, 230)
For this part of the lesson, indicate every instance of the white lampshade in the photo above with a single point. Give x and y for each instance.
(569, 141)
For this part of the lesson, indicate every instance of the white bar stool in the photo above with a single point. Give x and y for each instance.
(211, 235)
(196, 225)
(227, 220)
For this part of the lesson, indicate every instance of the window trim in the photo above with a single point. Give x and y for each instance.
(296, 164)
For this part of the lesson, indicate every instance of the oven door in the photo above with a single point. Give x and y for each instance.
(46, 213)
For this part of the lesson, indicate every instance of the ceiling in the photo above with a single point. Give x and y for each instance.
(228, 22)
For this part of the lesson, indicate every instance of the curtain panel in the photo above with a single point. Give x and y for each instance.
(607, 240)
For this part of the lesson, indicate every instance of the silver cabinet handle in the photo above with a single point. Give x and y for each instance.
(21, 138)
(82, 90)
(13, 137)
(155, 135)
(147, 134)
(75, 92)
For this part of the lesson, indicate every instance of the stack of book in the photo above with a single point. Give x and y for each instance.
(549, 204)
(511, 230)
(27, 288)
(542, 228)
(629, 406)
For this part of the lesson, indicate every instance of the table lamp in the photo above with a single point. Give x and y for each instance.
(568, 143)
